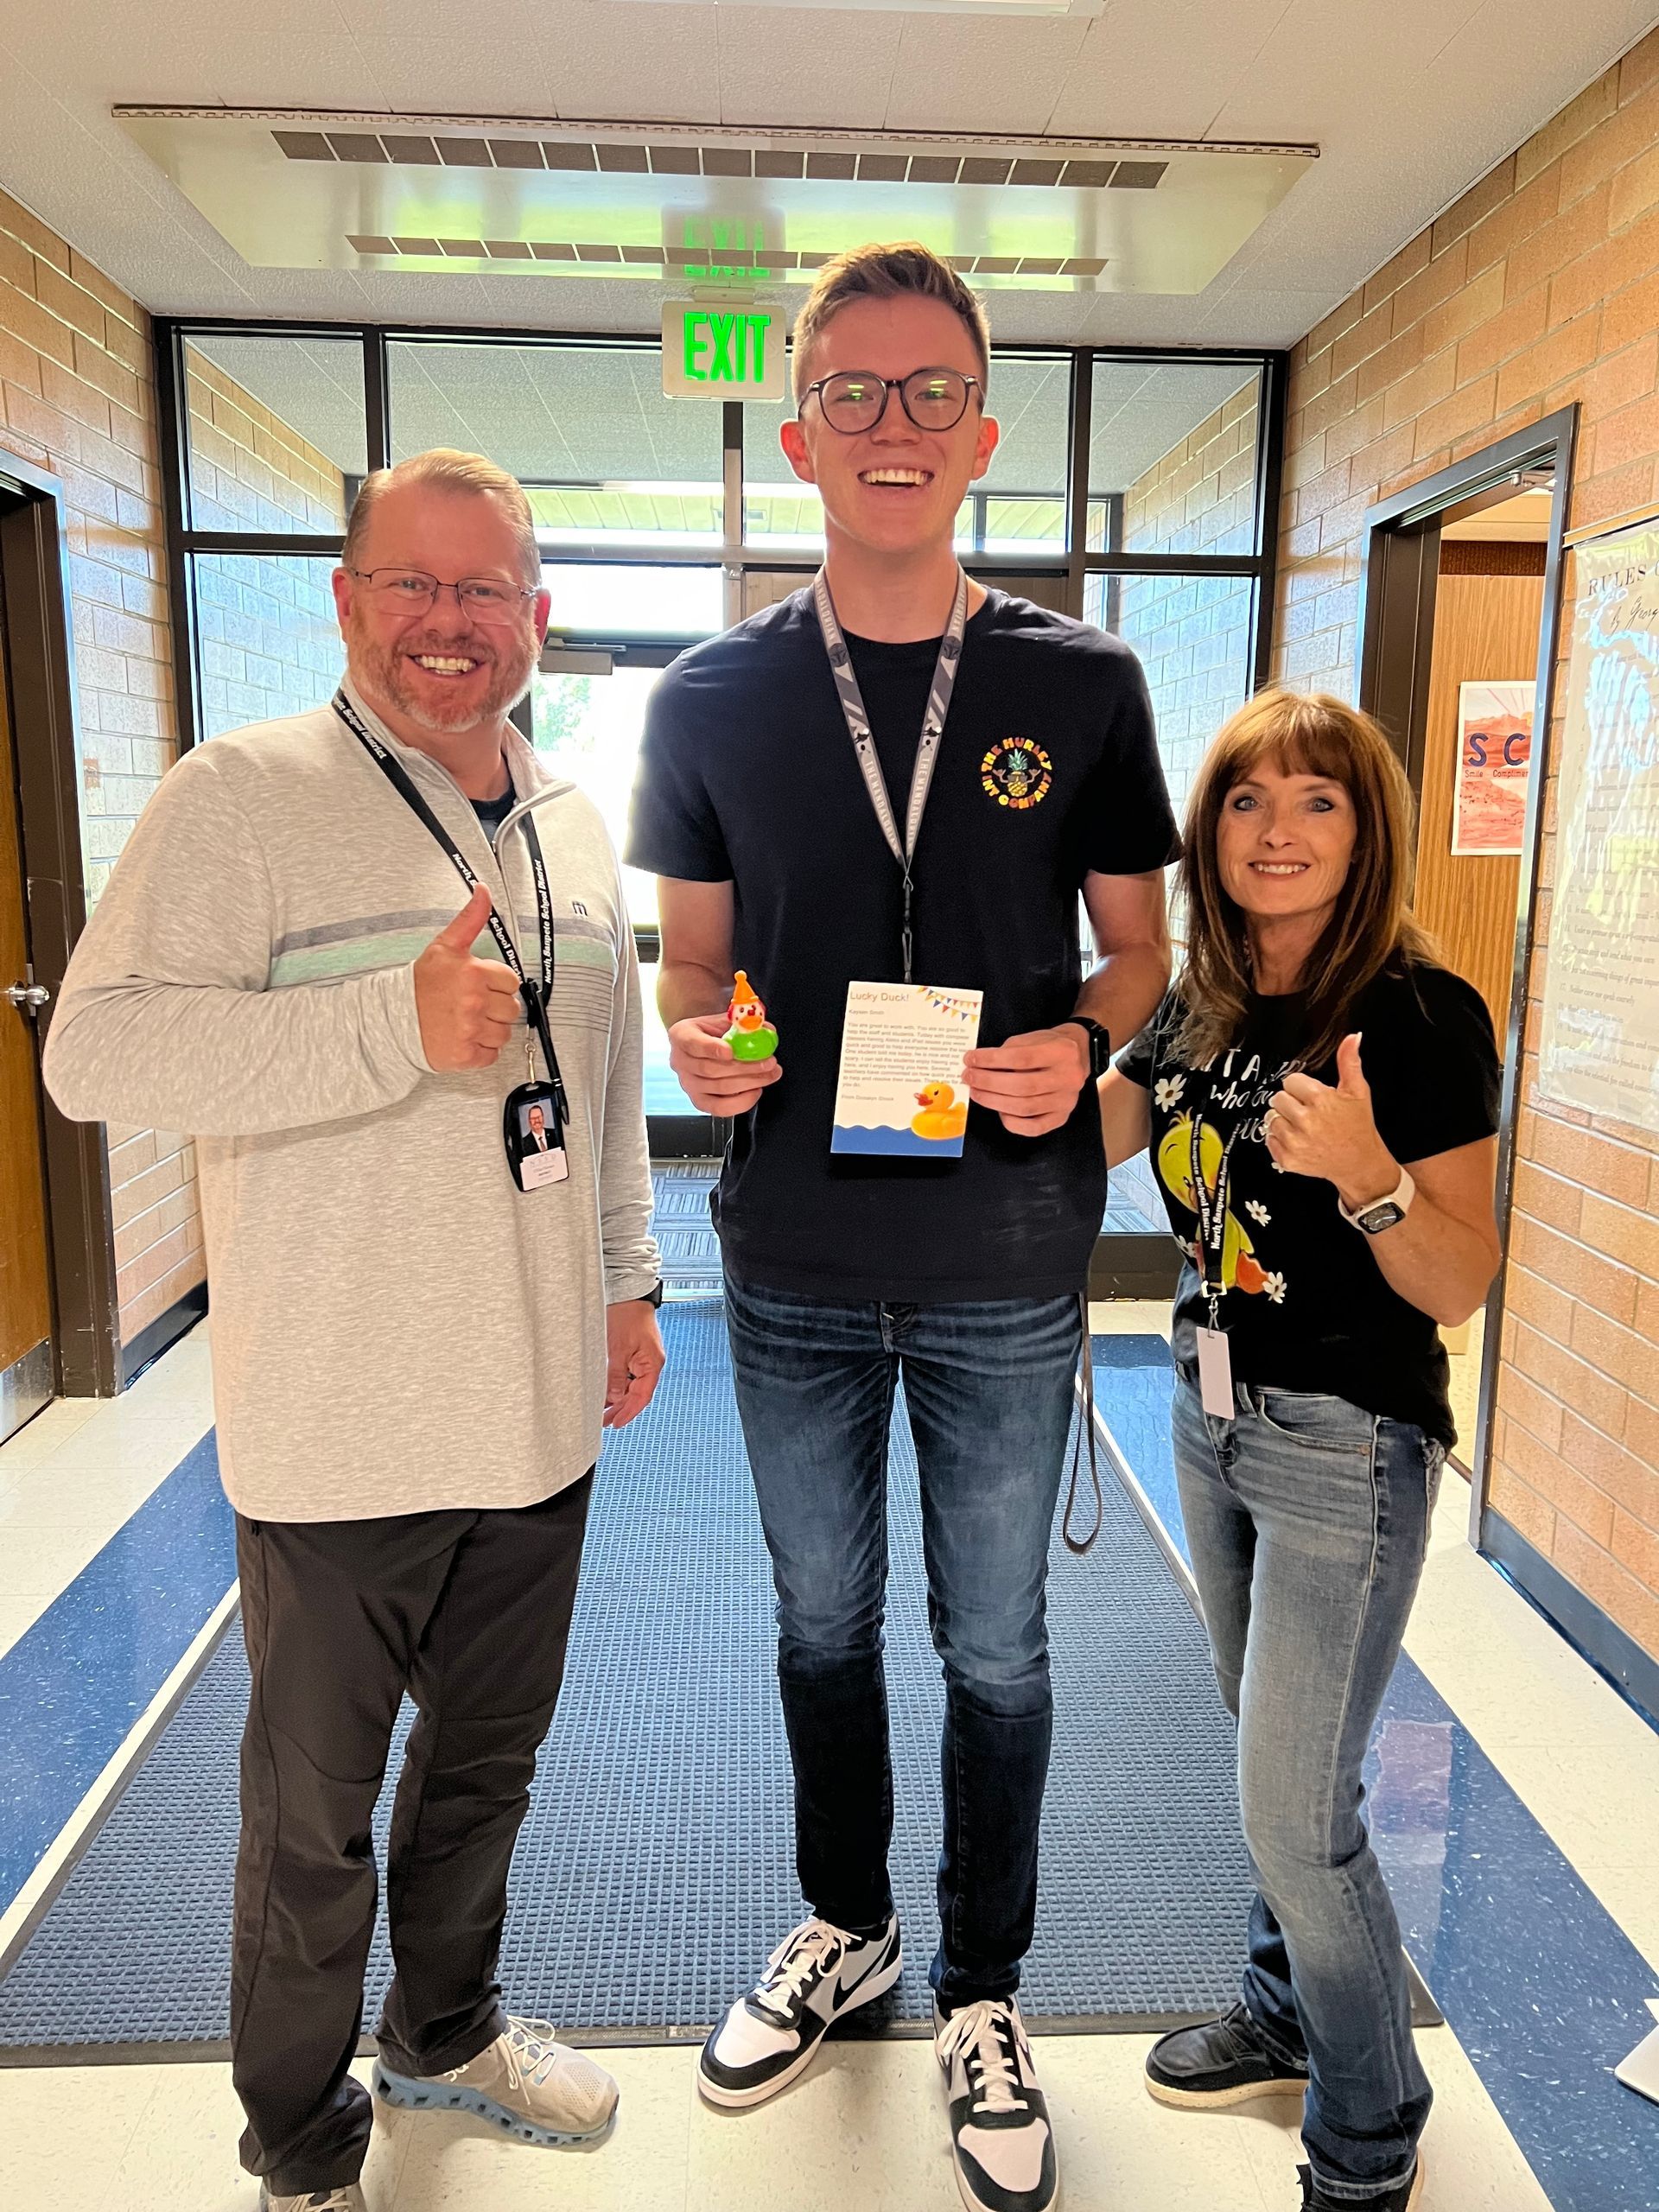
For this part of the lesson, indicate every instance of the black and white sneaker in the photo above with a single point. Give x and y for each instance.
(1000, 2135)
(816, 1975)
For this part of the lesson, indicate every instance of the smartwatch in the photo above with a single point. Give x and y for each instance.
(1100, 1044)
(1381, 1213)
(653, 1297)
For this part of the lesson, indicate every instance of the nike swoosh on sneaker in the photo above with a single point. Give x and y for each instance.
(838, 1996)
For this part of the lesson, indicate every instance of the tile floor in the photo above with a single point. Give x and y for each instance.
(864, 2132)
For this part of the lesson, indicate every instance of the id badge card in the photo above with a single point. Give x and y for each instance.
(901, 1093)
(1216, 1374)
(534, 1136)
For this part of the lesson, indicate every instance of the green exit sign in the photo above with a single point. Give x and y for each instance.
(720, 350)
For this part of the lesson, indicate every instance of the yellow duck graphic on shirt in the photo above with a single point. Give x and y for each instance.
(941, 1117)
(1239, 1267)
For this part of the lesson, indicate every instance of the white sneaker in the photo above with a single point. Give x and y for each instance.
(816, 1975)
(348, 2197)
(523, 2082)
(1000, 2135)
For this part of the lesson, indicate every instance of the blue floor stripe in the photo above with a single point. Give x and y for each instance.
(1540, 1985)
(72, 1685)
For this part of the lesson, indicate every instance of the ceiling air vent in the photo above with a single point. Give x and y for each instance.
(852, 165)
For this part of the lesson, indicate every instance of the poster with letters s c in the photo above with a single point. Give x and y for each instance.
(1489, 807)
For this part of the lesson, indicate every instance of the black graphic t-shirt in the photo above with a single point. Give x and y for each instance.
(1047, 771)
(1307, 1306)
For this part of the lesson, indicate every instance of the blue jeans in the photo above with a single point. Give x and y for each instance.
(990, 1391)
(1308, 1522)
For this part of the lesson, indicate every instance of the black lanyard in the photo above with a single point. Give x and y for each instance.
(1210, 1206)
(858, 729)
(535, 991)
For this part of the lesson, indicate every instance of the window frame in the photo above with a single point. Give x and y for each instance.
(735, 556)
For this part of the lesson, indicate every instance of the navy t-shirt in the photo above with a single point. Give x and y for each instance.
(1047, 771)
(1307, 1306)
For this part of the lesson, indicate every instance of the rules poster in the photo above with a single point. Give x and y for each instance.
(1488, 808)
(1600, 1048)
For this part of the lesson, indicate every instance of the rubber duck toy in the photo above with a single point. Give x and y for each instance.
(941, 1119)
(751, 1036)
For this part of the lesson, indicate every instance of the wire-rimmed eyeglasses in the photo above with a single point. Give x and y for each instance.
(411, 591)
(855, 399)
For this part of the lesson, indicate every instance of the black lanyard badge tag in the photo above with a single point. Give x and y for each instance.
(533, 1114)
(532, 1131)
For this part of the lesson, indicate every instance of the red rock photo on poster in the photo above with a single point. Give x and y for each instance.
(1489, 811)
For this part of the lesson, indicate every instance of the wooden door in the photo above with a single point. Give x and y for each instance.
(27, 1367)
(1486, 630)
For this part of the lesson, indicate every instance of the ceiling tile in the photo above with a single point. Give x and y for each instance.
(956, 73)
(654, 65)
(1122, 83)
(831, 68)
(481, 80)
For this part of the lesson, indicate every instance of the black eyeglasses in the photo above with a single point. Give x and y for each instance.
(411, 591)
(855, 399)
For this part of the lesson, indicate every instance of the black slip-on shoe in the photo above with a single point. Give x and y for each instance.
(1406, 2196)
(1219, 2062)
(816, 1975)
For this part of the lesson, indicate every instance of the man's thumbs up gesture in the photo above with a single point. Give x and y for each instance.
(1313, 1129)
(469, 1009)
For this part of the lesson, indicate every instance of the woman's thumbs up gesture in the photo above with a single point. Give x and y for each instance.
(1320, 1129)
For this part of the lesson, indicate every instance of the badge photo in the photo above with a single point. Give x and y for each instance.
(534, 1136)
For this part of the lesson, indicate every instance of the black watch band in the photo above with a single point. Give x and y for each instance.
(653, 1297)
(1100, 1043)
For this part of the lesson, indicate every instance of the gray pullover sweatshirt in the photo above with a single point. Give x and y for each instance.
(397, 1328)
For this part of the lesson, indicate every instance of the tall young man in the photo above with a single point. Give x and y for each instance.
(764, 806)
(317, 954)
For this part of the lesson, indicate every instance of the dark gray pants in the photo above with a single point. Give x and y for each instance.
(469, 1613)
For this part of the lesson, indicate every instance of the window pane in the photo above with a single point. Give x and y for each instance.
(595, 602)
(1194, 637)
(1030, 399)
(605, 457)
(267, 639)
(276, 432)
(588, 727)
(1172, 457)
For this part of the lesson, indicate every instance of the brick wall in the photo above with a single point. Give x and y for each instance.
(77, 397)
(1540, 287)
(1193, 633)
(270, 644)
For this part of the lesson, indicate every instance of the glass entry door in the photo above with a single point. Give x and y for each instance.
(587, 713)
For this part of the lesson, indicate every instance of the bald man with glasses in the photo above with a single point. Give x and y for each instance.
(355, 953)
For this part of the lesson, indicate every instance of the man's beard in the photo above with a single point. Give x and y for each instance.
(380, 669)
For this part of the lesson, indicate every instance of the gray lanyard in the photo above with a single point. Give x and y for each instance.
(858, 729)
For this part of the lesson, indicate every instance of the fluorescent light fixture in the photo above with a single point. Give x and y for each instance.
(931, 7)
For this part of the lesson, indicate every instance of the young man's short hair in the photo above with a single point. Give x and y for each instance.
(887, 272)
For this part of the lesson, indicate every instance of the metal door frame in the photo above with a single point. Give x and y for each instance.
(80, 1239)
(1396, 629)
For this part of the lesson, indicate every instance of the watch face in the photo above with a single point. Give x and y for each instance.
(1375, 1219)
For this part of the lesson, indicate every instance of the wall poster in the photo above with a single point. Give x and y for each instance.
(1600, 1046)
(1489, 806)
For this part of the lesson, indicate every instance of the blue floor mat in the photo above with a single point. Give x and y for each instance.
(656, 1867)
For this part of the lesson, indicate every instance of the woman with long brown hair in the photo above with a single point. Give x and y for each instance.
(1320, 1098)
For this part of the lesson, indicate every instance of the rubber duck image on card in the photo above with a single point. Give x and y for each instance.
(902, 1092)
